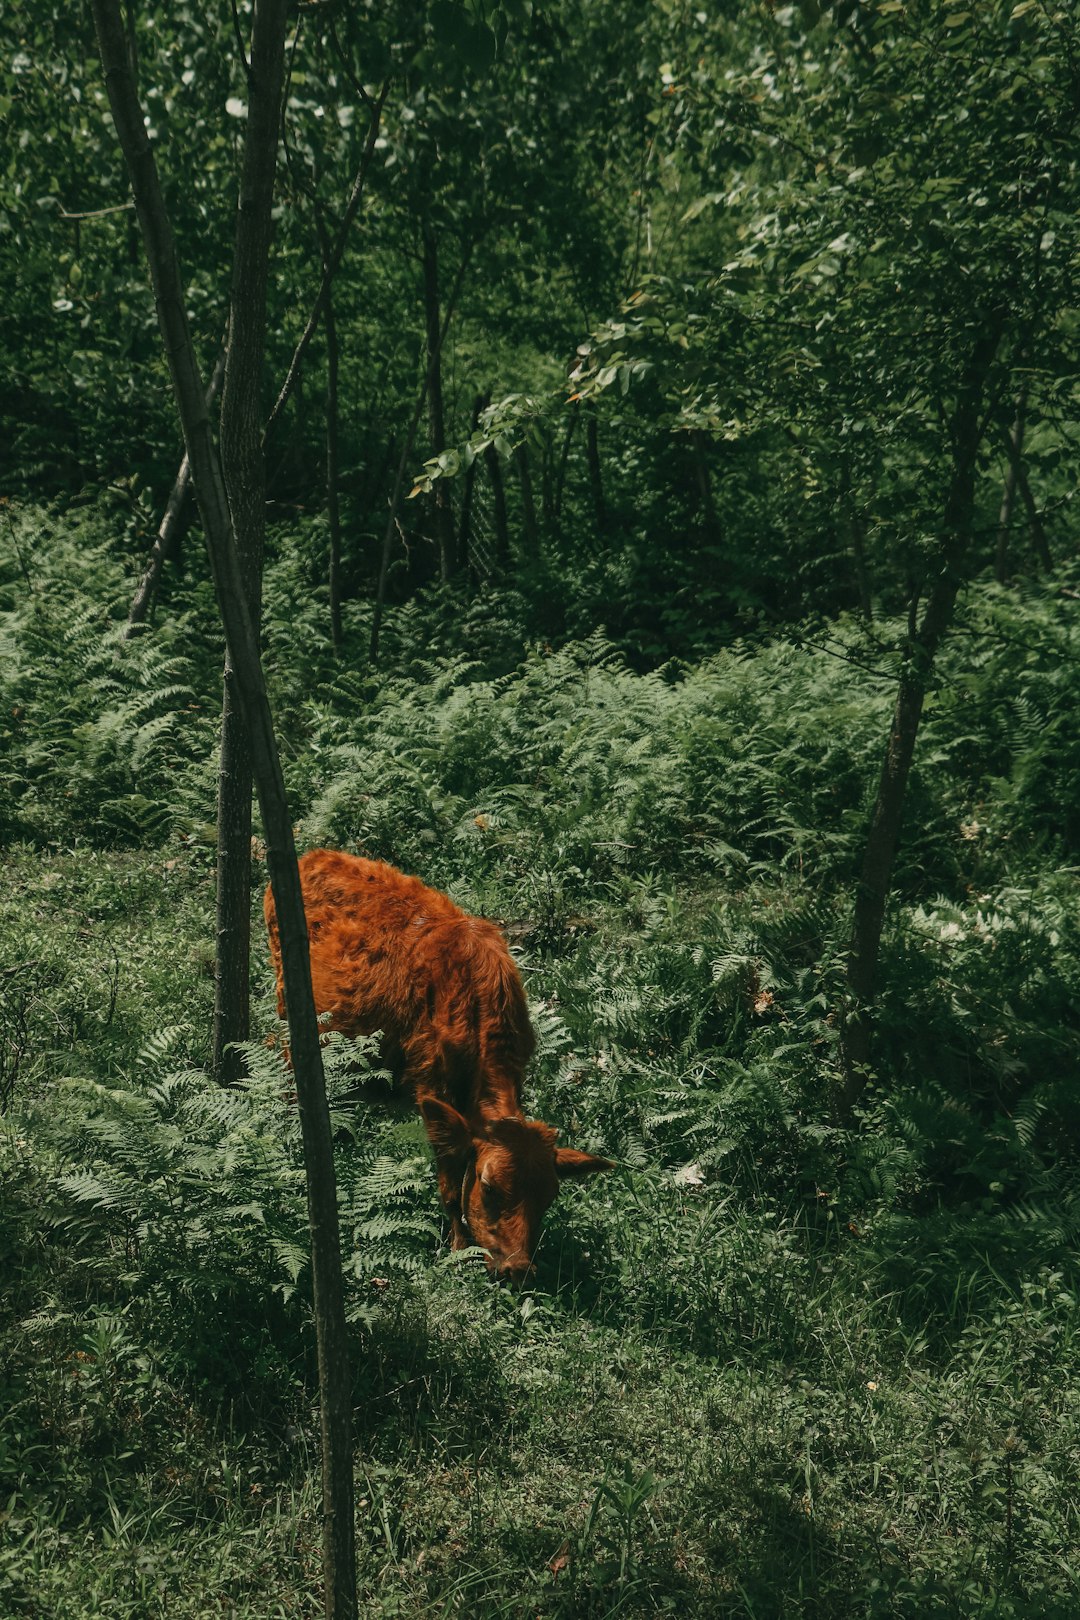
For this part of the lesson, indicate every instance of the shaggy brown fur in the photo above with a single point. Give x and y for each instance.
(390, 954)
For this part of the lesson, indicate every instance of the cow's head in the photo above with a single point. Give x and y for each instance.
(498, 1184)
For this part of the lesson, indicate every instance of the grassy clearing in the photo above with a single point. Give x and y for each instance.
(720, 1399)
(544, 1462)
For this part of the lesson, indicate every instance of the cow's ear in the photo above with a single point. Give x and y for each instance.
(572, 1165)
(447, 1131)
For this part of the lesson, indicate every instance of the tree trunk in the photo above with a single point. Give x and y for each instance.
(444, 522)
(845, 504)
(333, 504)
(465, 522)
(164, 548)
(406, 452)
(1035, 522)
(704, 483)
(872, 889)
(548, 475)
(243, 469)
(1014, 443)
(232, 969)
(528, 502)
(596, 482)
(391, 524)
(498, 492)
(564, 457)
(231, 588)
(862, 572)
(172, 523)
(370, 479)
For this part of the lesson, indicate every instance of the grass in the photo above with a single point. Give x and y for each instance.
(720, 1400)
(539, 1462)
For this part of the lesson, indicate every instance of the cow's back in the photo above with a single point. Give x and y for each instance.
(390, 954)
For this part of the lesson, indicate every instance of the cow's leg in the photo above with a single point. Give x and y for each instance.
(451, 1143)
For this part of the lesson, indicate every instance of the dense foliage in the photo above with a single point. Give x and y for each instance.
(680, 355)
(810, 219)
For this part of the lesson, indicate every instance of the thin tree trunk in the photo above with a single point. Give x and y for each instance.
(288, 461)
(444, 522)
(374, 472)
(498, 492)
(232, 969)
(872, 890)
(862, 572)
(1035, 522)
(172, 520)
(564, 457)
(548, 473)
(1014, 443)
(704, 483)
(163, 549)
(243, 470)
(596, 482)
(231, 588)
(403, 462)
(465, 522)
(528, 501)
(333, 504)
(857, 532)
(391, 524)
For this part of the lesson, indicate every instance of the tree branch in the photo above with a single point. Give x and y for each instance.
(98, 213)
(331, 267)
(169, 528)
(241, 52)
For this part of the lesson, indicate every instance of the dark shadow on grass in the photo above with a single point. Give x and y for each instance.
(419, 1389)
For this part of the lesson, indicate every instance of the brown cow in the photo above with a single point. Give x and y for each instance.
(389, 954)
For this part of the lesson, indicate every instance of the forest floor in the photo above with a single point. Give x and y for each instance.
(715, 1401)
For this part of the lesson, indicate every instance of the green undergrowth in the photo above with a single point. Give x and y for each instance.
(826, 1438)
(768, 1367)
(760, 1372)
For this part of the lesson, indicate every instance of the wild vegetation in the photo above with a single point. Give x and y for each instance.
(689, 424)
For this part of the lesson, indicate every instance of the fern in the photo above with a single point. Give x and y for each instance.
(210, 1182)
(116, 737)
